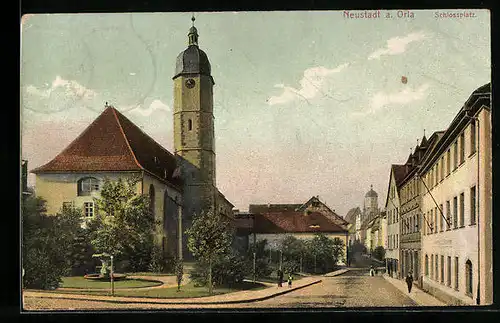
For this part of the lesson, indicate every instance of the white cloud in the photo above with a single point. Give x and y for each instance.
(155, 105)
(397, 45)
(310, 85)
(71, 89)
(382, 99)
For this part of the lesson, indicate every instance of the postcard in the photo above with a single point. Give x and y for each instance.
(256, 160)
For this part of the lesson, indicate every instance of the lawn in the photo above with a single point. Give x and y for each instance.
(80, 282)
(187, 291)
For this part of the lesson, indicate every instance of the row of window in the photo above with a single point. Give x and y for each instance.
(410, 190)
(437, 172)
(436, 272)
(410, 224)
(393, 241)
(393, 216)
(439, 221)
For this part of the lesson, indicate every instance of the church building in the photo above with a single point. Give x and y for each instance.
(180, 184)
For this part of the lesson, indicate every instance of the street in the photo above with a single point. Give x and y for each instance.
(352, 289)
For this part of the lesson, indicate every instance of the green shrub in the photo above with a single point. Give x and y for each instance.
(226, 270)
(379, 253)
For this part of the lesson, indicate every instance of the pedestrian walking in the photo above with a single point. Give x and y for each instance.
(290, 278)
(372, 272)
(280, 278)
(409, 281)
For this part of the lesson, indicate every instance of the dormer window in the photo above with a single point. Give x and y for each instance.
(87, 185)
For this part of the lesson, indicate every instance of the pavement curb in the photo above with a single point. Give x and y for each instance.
(415, 298)
(336, 273)
(250, 300)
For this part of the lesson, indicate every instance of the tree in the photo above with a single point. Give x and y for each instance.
(179, 272)
(379, 253)
(293, 251)
(262, 267)
(209, 236)
(323, 253)
(124, 224)
(45, 241)
(338, 250)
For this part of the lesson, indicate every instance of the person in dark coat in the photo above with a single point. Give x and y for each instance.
(409, 281)
(280, 278)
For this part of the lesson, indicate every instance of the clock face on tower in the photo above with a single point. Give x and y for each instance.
(190, 83)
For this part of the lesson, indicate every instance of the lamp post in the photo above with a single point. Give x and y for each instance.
(112, 280)
(254, 267)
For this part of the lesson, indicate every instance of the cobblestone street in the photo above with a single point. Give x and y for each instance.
(352, 289)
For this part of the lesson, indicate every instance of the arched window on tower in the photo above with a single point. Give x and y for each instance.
(190, 124)
(152, 199)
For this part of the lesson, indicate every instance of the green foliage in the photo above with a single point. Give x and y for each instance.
(158, 261)
(323, 253)
(179, 272)
(227, 269)
(45, 242)
(209, 237)
(124, 225)
(379, 253)
(262, 265)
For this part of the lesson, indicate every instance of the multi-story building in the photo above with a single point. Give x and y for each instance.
(456, 203)
(392, 206)
(410, 211)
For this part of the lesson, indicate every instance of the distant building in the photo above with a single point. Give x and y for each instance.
(274, 222)
(392, 207)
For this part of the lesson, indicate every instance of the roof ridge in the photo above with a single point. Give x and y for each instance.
(144, 133)
(125, 137)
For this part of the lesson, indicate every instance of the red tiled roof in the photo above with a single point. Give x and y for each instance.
(113, 143)
(264, 208)
(293, 222)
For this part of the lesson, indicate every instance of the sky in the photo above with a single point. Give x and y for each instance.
(306, 103)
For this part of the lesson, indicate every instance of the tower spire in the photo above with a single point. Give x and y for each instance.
(193, 33)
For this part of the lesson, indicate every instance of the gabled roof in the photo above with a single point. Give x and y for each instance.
(334, 216)
(295, 222)
(351, 215)
(113, 143)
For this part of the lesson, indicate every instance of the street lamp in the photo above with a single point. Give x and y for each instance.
(112, 280)
(254, 267)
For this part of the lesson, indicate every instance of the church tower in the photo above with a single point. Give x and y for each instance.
(194, 126)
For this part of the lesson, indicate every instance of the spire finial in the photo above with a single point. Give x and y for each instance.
(417, 141)
(106, 105)
(193, 33)
(424, 132)
(371, 186)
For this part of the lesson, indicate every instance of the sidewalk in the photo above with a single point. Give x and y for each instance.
(417, 295)
(336, 273)
(229, 298)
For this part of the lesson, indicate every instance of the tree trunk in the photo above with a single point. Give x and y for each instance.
(210, 276)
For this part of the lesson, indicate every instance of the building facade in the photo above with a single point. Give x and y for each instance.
(179, 185)
(456, 200)
(392, 207)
